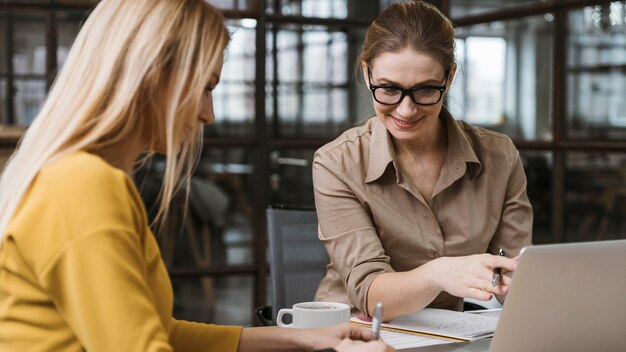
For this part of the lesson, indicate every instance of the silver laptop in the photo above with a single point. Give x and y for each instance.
(564, 297)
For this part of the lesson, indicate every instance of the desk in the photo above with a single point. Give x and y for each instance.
(476, 346)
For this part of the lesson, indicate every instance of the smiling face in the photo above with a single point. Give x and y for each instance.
(407, 121)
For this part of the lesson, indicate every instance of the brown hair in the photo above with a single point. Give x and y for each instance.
(414, 24)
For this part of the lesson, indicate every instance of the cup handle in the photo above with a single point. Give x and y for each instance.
(279, 317)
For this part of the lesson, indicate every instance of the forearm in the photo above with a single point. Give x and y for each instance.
(272, 338)
(403, 292)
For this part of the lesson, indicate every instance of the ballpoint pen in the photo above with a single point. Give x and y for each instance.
(497, 273)
(376, 320)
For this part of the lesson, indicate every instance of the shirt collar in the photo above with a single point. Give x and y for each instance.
(381, 151)
(460, 150)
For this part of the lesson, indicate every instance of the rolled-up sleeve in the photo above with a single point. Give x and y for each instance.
(516, 221)
(345, 227)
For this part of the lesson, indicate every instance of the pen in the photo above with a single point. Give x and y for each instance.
(376, 320)
(497, 273)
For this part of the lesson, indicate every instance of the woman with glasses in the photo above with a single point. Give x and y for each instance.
(414, 206)
(80, 269)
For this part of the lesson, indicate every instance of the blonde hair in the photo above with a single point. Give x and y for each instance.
(111, 89)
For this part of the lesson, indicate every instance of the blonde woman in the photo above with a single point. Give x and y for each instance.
(79, 266)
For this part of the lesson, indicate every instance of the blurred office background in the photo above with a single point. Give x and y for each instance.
(550, 74)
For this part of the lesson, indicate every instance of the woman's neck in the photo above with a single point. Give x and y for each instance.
(432, 143)
(122, 155)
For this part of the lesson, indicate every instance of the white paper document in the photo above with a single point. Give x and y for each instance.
(398, 340)
(444, 323)
(447, 323)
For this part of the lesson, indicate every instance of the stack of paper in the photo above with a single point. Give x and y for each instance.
(445, 325)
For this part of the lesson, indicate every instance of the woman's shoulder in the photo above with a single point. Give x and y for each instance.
(73, 196)
(83, 178)
(351, 141)
(484, 139)
(80, 166)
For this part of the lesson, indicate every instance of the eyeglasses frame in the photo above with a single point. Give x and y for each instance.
(408, 91)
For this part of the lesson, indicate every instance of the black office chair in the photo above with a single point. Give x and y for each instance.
(297, 260)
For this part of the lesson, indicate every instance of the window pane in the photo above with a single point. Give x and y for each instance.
(595, 196)
(69, 24)
(29, 95)
(234, 5)
(310, 8)
(508, 90)
(596, 79)
(233, 99)
(313, 81)
(29, 52)
(475, 7)
(3, 44)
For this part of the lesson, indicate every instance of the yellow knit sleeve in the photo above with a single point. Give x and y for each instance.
(197, 337)
(97, 284)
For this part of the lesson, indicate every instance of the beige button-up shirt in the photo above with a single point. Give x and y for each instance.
(372, 219)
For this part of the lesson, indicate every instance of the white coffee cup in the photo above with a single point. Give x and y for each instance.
(307, 315)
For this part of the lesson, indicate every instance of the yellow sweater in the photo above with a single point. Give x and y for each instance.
(81, 270)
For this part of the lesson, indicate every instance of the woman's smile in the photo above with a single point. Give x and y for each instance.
(403, 123)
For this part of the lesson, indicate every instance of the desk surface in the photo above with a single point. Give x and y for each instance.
(475, 346)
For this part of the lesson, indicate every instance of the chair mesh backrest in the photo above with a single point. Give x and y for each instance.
(297, 257)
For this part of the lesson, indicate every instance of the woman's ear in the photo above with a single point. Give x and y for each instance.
(364, 70)
(451, 75)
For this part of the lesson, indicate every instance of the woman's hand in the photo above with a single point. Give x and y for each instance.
(345, 338)
(348, 345)
(470, 276)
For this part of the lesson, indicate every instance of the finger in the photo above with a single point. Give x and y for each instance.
(500, 289)
(478, 293)
(506, 280)
(504, 263)
(359, 333)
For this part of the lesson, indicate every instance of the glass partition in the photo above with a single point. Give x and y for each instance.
(596, 73)
(504, 77)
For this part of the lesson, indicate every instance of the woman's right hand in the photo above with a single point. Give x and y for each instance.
(470, 276)
(347, 345)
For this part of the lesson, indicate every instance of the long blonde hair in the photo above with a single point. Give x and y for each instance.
(126, 55)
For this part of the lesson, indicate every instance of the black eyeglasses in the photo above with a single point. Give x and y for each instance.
(387, 94)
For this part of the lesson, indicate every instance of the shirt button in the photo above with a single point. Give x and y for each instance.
(436, 254)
